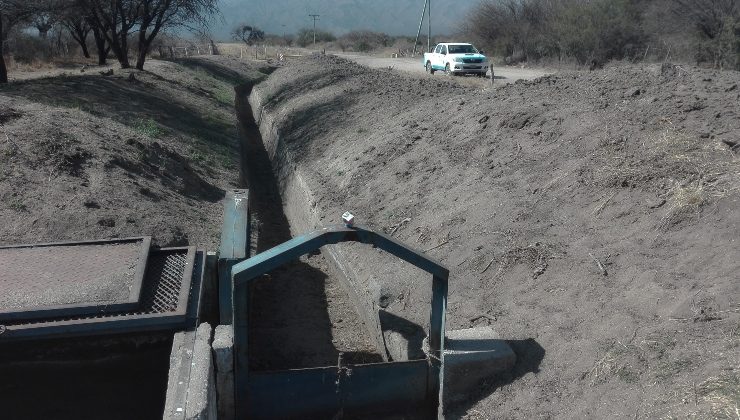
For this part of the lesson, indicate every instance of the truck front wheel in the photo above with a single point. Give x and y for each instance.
(447, 69)
(430, 70)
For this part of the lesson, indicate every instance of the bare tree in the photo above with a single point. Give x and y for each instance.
(47, 13)
(79, 29)
(117, 18)
(708, 16)
(101, 44)
(717, 23)
(247, 34)
(156, 15)
(12, 13)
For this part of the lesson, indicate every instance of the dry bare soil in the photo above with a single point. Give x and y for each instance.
(590, 218)
(93, 155)
(87, 156)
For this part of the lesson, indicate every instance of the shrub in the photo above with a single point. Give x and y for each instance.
(713, 27)
(596, 31)
(519, 30)
(599, 31)
(365, 41)
(304, 37)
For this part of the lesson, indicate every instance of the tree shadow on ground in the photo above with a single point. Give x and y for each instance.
(150, 110)
(529, 356)
(222, 73)
(172, 170)
(304, 84)
(125, 101)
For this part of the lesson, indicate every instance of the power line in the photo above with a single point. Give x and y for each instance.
(315, 18)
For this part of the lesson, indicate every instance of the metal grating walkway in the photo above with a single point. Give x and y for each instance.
(39, 281)
(173, 279)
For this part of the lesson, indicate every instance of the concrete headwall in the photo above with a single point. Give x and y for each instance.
(191, 388)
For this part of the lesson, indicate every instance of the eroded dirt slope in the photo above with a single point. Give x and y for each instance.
(590, 218)
(92, 156)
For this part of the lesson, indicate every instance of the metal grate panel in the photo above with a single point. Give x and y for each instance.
(164, 301)
(164, 282)
(71, 278)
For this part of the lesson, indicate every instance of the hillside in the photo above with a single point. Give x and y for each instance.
(341, 16)
(590, 218)
(92, 156)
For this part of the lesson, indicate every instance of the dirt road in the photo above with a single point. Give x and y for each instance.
(413, 65)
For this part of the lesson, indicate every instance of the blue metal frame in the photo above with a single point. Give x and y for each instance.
(367, 391)
(251, 268)
(234, 247)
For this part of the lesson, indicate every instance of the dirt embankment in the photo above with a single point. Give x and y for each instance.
(590, 218)
(88, 156)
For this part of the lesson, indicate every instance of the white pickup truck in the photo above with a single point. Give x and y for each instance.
(456, 58)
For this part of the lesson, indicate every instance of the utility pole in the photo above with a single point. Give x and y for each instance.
(421, 22)
(315, 18)
(429, 22)
(427, 10)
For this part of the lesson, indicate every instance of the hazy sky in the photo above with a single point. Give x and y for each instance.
(396, 17)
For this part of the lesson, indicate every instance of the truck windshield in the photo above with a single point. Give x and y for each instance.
(462, 49)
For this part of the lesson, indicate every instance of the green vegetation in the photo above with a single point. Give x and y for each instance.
(305, 37)
(224, 95)
(16, 205)
(148, 127)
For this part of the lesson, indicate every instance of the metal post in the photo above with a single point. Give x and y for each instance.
(241, 343)
(234, 247)
(421, 22)
(429, 23)
(437, 335)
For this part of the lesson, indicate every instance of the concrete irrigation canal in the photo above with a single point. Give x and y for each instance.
(278, 322)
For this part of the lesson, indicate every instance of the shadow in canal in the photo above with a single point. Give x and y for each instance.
(289, 322)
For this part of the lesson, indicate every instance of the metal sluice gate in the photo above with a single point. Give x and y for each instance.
(354, 390)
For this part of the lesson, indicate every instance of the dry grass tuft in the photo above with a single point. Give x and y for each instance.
(28, 66)
(722, 394)
(684, 202)
(689, 172)
(535, 256)
(615, 363)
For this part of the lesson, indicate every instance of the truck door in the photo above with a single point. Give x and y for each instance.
(442, 56)
(437, 57)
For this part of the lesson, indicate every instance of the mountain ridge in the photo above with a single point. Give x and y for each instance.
(395, 17)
